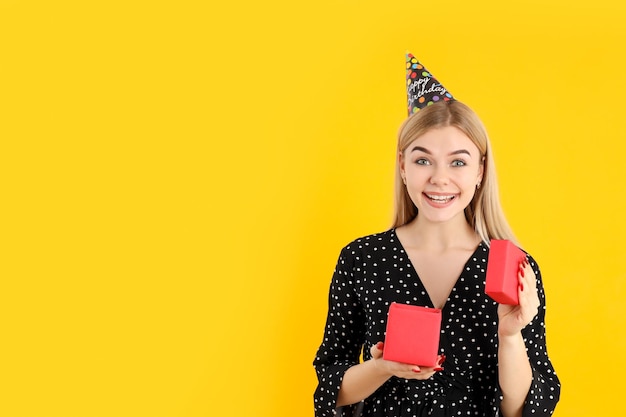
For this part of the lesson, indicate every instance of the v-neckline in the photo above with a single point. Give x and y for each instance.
(456, 282)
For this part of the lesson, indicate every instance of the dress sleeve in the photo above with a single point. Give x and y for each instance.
(545, 388)
(344, 335)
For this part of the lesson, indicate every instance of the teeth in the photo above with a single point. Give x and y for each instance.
(440, 198)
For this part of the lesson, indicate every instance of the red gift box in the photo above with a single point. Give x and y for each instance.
(412, 334)
(502, 269)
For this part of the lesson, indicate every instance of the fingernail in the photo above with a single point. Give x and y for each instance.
(380, 345)
(439, 368)
(416, 370)
(442, 358)
(521, 286)
(521, 271)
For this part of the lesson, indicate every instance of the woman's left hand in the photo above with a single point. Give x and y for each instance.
(513, 318)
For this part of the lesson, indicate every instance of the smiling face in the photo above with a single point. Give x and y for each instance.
(441, 168)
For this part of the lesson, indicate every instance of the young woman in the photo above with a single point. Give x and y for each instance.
(493, 359)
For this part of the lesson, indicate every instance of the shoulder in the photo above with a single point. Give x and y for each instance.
(369, 252)
(531, 260)
(371, 243)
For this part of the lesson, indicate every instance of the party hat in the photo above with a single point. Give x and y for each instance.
(421, 87)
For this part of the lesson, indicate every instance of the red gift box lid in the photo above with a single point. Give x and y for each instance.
(502, 269)
(412, 334)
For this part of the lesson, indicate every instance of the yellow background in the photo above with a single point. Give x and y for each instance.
(178, 177)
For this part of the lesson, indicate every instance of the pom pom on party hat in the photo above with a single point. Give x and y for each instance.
(422, 88)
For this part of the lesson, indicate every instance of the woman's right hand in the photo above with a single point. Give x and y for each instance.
(363, 379)
(403, 370)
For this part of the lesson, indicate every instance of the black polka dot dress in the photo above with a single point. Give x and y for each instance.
(374, 271)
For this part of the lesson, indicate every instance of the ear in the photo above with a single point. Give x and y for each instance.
(401, 162)
(481, 170)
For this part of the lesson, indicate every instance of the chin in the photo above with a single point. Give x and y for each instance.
(441, 217)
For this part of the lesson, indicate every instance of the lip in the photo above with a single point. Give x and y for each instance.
(440, 204)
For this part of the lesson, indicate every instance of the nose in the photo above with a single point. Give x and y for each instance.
(440, 176)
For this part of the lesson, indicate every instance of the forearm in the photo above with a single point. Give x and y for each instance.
(360, 381)
(514, 374)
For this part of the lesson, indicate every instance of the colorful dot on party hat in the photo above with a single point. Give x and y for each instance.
(422, 88)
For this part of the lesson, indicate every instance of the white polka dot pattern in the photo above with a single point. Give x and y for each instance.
(374, 271)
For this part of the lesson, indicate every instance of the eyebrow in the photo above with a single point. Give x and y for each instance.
(426, 151)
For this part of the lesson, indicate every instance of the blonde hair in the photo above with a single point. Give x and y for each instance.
(484, 213)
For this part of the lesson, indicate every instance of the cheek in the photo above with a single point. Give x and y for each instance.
(470, 181)
(471, 177)
(466, 182)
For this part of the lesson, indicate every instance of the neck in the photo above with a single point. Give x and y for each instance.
(455, 233)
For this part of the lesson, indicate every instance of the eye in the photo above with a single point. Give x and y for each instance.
(422, 161)
(458, 163)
